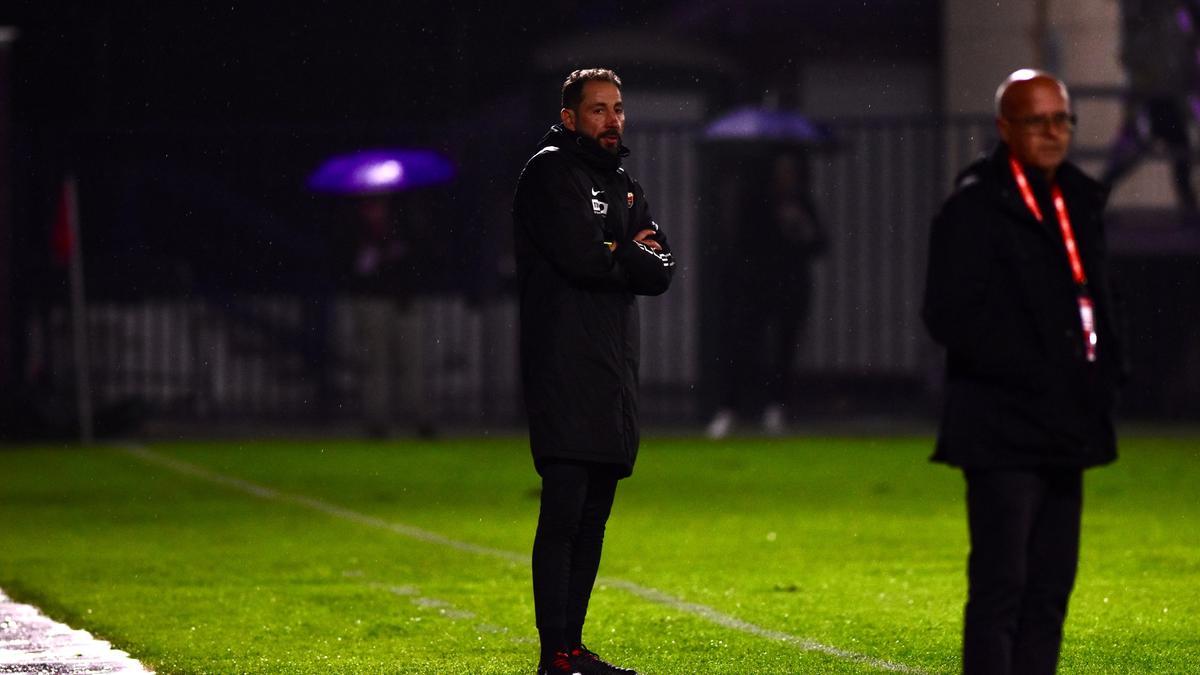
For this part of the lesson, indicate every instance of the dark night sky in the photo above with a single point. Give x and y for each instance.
(145, 62)
(206, 117)
(134, 63)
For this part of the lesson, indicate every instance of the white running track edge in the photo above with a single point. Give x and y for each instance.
(645, 592)
(32, 643)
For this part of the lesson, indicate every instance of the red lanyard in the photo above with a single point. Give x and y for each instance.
(1087, 315)
(1064, 221)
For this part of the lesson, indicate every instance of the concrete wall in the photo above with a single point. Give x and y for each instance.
(831, 90)
(984, 41)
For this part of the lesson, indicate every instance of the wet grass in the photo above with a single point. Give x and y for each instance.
(856, 543)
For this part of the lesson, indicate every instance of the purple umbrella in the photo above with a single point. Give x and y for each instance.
(757, 125)
(381, 170)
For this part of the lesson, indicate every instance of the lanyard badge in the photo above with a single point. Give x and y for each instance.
(1087, 313)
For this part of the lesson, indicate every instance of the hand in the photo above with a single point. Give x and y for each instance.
(644, 238)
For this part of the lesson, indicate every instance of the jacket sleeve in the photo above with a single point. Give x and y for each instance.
(648, 272)
(561, 225)
(958, 309)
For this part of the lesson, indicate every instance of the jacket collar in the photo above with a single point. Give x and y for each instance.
(1010, 194)
(1079, 190)
(587, 149)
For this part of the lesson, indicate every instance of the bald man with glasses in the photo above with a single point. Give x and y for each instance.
(1017, 292)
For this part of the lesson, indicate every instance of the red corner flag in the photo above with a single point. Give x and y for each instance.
(62, 239)
(65, 251)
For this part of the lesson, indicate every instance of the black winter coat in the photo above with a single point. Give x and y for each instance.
(579, 316)
(1000, 297)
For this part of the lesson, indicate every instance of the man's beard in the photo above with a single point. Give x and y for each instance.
(616, 148)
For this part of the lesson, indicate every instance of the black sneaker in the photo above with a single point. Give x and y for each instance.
(588, 662)
(561, 664)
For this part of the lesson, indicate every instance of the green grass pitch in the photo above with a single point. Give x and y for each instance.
(858, 544)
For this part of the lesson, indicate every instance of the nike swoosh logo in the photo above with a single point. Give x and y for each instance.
(596, 192)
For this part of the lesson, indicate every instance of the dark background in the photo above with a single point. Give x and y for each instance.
(192, 127)
(213, 113)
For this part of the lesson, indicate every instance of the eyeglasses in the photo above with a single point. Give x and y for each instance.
(1058, 121)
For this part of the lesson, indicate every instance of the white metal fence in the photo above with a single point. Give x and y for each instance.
(279, 356)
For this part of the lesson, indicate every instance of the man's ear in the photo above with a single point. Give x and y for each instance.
(1004, 128)
(568, 118)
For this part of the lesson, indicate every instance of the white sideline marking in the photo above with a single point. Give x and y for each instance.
(645, 592)
(31, 642)
(444, 608)
(722, 619)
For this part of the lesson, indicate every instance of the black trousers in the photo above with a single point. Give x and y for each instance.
(1024, 549)
(577, 498)
(760, 334)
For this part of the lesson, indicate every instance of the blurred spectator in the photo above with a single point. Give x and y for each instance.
(392, 260)
(774, 235)
(1159, 51)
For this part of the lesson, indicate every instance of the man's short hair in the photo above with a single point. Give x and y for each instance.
(572, 89)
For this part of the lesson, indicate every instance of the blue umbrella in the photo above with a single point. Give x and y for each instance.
(757, 125)
(381, 170)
